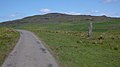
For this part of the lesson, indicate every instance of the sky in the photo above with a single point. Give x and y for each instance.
(17, 9)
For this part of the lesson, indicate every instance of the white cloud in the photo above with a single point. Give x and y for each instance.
(108, 1)
(12, 16)
(107, 14)
(91, 12)
(72, 13)
(95, 11)
(9, 16)
(45, 10)
(15, 15)
(111, 14)
(104, 14)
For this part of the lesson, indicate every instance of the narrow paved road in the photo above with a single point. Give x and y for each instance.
(29, 52)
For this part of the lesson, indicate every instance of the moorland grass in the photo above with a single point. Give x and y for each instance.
(69, 43)
(8, 39)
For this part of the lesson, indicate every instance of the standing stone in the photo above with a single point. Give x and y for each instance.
(90, 26)
(90, 30)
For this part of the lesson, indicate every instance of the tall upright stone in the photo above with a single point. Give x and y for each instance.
(90, 27)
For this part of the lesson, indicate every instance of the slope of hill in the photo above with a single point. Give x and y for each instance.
(56, 18)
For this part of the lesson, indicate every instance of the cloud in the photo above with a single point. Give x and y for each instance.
(88, 12)
(12, 15)
(8, 16)
(45, 10)
(71, 13)
(104, 14)
(111, 14)
(108, 1)
(95, 11)
(91, 12)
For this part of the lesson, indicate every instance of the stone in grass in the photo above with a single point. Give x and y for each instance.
(95, 42)
(101, 37)
(101, 42)
(112, 38)
(78, 41)
(114, 47)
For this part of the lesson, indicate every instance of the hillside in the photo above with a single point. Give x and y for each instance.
(57, 18)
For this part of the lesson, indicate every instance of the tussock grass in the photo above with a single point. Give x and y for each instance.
(8, 39)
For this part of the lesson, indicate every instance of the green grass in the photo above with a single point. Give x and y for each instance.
(8, 39)
(69, 43)
(75, 50)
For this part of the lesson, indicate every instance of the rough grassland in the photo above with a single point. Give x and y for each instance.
(71, 47)
(8, 39)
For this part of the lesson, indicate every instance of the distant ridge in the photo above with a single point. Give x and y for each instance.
(57, 18)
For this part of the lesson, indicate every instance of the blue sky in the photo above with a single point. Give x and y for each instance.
(16, 9)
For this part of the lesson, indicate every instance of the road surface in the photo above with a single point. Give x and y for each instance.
(29, 52)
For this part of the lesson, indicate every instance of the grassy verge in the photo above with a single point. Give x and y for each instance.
(8, 39)
(71, 47)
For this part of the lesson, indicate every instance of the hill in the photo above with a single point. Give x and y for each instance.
(57, 18)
